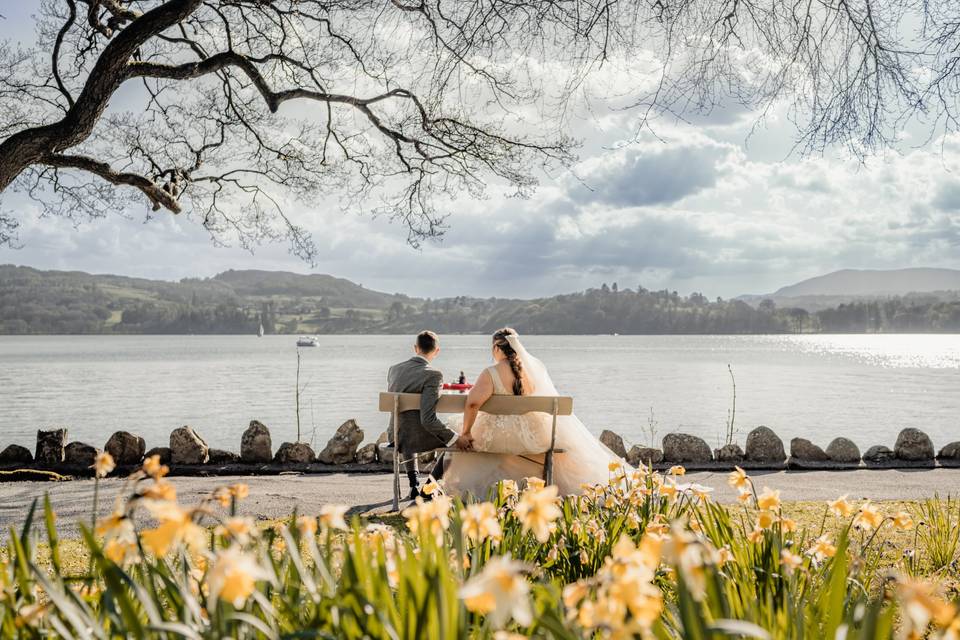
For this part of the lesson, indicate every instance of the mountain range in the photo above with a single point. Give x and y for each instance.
(853, 285)
(240, 301)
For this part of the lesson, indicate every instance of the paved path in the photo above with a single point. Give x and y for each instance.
(277, 496)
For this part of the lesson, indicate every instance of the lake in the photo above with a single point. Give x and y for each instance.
(865, 387)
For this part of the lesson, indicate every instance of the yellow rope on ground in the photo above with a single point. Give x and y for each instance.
(31, 474)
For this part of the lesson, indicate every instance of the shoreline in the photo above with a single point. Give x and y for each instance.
(371, 493)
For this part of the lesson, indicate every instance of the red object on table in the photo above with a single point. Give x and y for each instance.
(448, 386)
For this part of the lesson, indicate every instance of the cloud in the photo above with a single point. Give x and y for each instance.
(947, 197)
(644, 175)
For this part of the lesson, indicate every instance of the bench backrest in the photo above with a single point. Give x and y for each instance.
(498, 405)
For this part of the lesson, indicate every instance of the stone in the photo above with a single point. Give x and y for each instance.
(80, 454)
(613, 442)
(843, 450)
(646, 455)
(913, 445)
(683, 447)
(367, 454)
(763, 445)
(126, 448)
(383, 438)
(256, 444)
(294, 453)
(50, 446)
(163, 452)
(219, 456)
(729, 453)
(187, 447)
(426, 457)
(949, 452)
(878, 453)
(342, 447)
(803, 449)
(385, 453)
(15, 454)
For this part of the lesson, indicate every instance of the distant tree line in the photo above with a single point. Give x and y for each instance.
(33, 302)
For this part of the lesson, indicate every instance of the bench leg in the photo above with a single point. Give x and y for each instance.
(548, 468)
(396, 454)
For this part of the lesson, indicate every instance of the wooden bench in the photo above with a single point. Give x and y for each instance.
(397, 403)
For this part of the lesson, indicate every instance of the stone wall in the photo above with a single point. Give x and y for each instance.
(188, 453)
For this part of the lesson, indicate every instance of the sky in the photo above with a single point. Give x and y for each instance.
(716, 205)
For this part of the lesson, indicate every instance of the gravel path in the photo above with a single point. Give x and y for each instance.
(277, 496)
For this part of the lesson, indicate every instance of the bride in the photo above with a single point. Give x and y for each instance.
(513, 445)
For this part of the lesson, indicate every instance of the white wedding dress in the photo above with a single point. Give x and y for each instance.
(508, 443)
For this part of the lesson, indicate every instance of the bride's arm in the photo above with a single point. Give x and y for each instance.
(479, 394)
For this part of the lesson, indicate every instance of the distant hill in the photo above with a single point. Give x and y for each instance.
(855, 285)
(879, 283)
(239, 302)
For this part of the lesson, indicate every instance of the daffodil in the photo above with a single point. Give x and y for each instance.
(429, 517)
(677, 470)
(120, 538)
(31, 615)
(790, 561)
(500, 592)
(240, 529)
(233, 576)
(788, 525)
(307, 526)
(765, 519)
(535, 484)
(723, 556)
(841, 507)
(922, 603)
(176, 527)
(332, 517)
(701, 492)
(868, 517)
(160, 490)
(103, 464)
(153, 468)
(574, 593)
(755, 536)
(479, 522)
(537, 510)
(822, 548)
(903, 521)
(240, 491)
(670, 491)
(121, 552)
(614, 465)
(738, 480)
(431, 487)
(769, 500)
(508, 489)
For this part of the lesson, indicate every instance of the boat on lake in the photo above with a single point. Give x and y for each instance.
(308, 341)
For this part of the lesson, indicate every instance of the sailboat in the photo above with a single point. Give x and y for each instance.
(260, 331)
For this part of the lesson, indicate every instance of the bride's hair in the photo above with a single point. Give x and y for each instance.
(500, 341)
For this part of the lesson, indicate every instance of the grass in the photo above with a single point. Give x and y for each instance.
(644, 556)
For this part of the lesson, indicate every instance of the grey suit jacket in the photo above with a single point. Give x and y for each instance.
(419, 430)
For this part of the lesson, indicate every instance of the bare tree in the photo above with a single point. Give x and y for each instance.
(226, 109)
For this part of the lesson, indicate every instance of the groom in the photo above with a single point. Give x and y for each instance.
(421, 430)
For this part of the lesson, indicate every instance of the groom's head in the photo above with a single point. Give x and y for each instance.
(427, 345)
